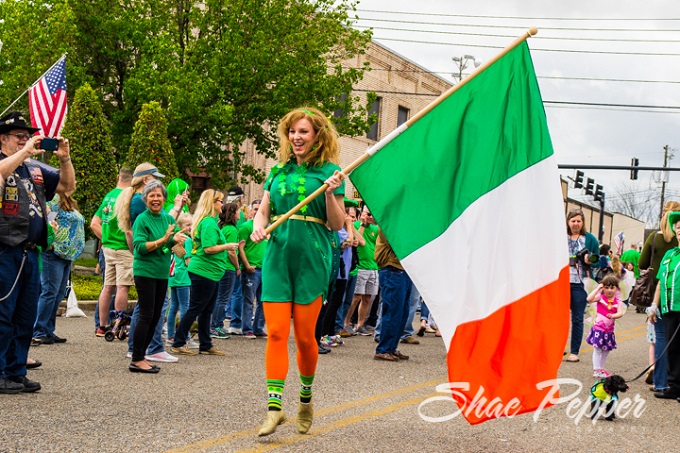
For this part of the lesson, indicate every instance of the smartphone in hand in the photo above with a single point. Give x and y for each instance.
(49, 144)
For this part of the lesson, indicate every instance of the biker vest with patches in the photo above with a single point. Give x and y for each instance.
(15, 206)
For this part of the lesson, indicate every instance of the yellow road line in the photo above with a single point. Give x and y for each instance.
(338, 424)
(218, 441)
(228, 438)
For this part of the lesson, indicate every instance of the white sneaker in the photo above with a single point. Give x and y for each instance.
(234, 331)
(162, 357)
(128, 355)
(192, 344)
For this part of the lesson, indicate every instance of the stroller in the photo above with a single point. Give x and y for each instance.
(120, 327)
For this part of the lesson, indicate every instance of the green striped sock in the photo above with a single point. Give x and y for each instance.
(306, 388)
(275, 392)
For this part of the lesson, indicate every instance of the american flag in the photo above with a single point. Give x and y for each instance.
(47, 100)
(619, 239)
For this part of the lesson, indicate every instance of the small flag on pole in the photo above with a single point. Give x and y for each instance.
(619, 240)
(469, 198)
(47, 100)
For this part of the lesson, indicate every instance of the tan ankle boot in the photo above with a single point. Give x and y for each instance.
(304, 417)
(274, 419)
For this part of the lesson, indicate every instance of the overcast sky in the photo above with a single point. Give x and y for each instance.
(605, 39)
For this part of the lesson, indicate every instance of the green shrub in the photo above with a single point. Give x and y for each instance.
(88, 287)
(87, 262)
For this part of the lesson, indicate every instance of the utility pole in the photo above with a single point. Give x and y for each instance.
(663, 181)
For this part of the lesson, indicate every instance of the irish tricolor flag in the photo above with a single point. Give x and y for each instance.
(469, 198)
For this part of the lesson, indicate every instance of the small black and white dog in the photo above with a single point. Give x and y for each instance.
(604, 393)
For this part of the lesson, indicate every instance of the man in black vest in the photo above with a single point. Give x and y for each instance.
(24, 190)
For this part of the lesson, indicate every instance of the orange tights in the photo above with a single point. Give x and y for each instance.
(277, 316)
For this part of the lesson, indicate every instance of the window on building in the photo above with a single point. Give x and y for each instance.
(402, 115)
(375, 108)
(339, 113)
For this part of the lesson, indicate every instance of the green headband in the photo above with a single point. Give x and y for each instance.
(308, 112)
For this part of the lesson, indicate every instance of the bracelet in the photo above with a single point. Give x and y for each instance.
(63, 161)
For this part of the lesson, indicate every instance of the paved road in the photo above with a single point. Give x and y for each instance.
(90, 402)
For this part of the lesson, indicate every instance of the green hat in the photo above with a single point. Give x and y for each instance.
(673, 218)
(349, 203)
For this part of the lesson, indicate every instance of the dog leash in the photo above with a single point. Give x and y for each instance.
(668, 343)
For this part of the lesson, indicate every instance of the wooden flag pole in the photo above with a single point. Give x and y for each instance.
(398, 131)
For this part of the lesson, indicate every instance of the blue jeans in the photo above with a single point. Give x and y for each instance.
(660, 374)
(54, 278)
(412, 306)
(179, 302)
(408, 327)
(395, 291)
(349, 295)
(223, 299)
(236, 305)
(18, 309)
(156, 344)
(578, 307)
(424, 311)
(251, 285)
(201, 305)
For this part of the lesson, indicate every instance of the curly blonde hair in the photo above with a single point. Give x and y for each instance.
(327, 147)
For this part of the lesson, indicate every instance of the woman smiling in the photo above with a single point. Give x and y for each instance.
(154, 233)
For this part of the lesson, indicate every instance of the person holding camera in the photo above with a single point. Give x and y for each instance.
(25, 189)
(583, 254)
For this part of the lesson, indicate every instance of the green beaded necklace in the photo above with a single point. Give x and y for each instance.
(297, 185)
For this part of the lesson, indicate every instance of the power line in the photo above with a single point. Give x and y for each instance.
(555, 103)
(609, 109)
(557, 38)
(533, 49)
(410, 13)
(586, 79)
(671, 107)
(515, 27)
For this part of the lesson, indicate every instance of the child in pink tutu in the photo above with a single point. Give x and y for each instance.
(608, 308)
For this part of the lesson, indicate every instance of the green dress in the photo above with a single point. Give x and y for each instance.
(297, 264)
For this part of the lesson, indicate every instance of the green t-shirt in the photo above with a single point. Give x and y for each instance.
(150, 227)
(112, 236)
(669, 280)
(231, 235)
(366, 252)
(254, 252)
(210, 266)
(179, 275)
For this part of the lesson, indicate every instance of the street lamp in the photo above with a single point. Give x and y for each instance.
(462, 63)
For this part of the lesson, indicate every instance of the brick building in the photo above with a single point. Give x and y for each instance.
(403, 88)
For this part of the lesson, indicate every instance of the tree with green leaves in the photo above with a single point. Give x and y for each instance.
(89, 134)
(223, 71)
(34, 35)
(150, 141)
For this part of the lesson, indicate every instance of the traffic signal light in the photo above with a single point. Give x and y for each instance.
(634, 162)
(590, 183)
(578, 181)
(599, 194)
